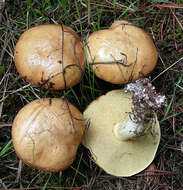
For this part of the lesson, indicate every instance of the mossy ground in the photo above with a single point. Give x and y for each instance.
(163, 20)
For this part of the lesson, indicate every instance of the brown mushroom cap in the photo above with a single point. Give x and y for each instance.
(45, 136)
(43, 57)
(117, 157)
(122, 53)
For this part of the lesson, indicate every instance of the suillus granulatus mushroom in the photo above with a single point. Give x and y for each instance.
(123, 131)
(46, 134)
(121, 54)
(50, 55)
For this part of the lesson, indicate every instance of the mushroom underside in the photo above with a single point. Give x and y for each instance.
(119, 158)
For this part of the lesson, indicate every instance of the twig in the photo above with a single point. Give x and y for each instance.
(77, 170)
(2, 124)
(158, 173)
(2, 5)
(174, 6)
(167, 68)
(72, 122)
(89, 9)
(179, 86)
(63, 56)
(177, 18)
(6, 40)
(4, 92)
(173, 22)
(3, 185)
(19, 172)
(40, 187)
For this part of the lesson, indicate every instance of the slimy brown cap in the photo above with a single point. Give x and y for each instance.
(51, 55)
(46, 134)
(121, 54)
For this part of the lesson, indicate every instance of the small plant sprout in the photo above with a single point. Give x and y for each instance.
(124, 133)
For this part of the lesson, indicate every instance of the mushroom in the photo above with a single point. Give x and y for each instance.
(51, 55)
(46, 134)
(123, 131)
(121, 54)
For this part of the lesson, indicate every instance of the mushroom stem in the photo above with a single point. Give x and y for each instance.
(141, 118)
(128, 130)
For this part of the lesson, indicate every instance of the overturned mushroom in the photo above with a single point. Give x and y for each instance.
(121, 54)
(123, 131)
(50, 55)
(46, 134)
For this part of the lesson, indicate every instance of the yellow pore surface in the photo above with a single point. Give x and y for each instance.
(116, 157)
